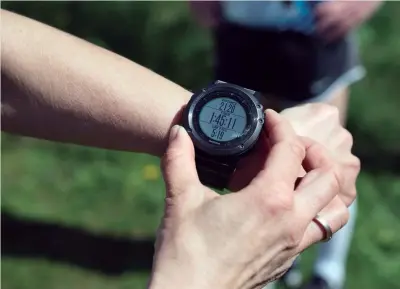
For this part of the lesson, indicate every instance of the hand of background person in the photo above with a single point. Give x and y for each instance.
(336, 18)
(321, 123)
(207, 13)
(245, 239)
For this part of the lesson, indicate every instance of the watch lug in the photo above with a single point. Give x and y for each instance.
(252, 92)
(219, 82)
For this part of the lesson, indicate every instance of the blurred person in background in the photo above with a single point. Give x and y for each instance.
(56, 89)
(294, 52)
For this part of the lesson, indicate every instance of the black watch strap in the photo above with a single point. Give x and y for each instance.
(214, 171)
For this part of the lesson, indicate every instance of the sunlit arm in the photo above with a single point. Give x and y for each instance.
(61, 88)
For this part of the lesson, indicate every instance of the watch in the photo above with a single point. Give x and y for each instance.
(224, 122)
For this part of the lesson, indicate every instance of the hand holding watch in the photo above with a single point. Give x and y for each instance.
(224, 122)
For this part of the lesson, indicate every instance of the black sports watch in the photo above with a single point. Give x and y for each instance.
(224, 122)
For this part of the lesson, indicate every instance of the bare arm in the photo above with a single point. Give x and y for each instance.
(58, 87)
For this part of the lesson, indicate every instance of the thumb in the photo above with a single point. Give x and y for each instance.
(178, 164)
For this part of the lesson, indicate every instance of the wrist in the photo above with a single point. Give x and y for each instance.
(170, 272)
(181, 279)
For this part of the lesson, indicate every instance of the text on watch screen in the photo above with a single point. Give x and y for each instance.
(222, 119)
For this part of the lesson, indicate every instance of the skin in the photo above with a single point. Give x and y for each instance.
(338, 99)
(322, 123)
(59, 81)
(337, 18)
(54, 86)
(203, 241)
(98, 98)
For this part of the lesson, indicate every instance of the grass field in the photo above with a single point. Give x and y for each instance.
(75, 217)
(120, 195)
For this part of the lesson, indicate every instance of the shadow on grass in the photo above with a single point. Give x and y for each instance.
(375, 155)
(22, 238)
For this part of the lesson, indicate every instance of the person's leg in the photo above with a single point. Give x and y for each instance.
(332, 256)
(240, 61)
(294, 277)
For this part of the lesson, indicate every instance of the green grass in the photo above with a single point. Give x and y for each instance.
(108, 193)
(88, 188)
(21, 274)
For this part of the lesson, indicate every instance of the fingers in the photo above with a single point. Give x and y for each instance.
(340, 140)
(284, 160)
(249, 166)
(317, 155)
(336, 215)
(345, 165)
(317, 189)
(178, 163)
(318, 194)
(322, 182)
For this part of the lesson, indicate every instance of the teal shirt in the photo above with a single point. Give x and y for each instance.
(297, 16)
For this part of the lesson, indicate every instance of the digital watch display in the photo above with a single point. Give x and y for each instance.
(222, 119)
(224, 122)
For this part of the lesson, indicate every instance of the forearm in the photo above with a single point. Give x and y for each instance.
(61, 88)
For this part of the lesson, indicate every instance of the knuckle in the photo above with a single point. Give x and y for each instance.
(350, 196)
(318, 108)
(280, 189)
(333, 111)
(297, 148)
(348, 137)
(293, 237)
(321, 155)
(283, 202)
(335, 182)
(352, 163)
(356, 163)
(344, 217)
(278, 201)
(318, 149)
(293, 147)
(325, 109)
(353, 193)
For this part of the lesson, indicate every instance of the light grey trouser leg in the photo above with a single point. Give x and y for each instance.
(332, 256)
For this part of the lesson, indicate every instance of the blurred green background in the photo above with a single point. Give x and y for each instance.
(75, 217)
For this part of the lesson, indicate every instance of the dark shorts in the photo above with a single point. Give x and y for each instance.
(289, 65)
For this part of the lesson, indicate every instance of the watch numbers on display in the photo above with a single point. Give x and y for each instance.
(222, 119)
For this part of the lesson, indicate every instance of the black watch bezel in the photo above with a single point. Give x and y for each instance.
(255, 120)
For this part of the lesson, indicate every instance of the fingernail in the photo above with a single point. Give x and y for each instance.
(174, 132)
(270, 112)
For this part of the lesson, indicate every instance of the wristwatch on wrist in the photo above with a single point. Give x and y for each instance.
(224, 122)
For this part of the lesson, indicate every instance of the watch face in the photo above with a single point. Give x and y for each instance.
(223, 119)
